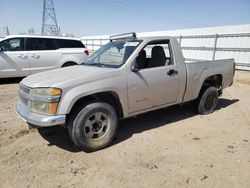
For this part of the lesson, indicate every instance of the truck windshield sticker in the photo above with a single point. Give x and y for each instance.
(131, 43)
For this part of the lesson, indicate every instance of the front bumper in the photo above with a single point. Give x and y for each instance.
(38, 119)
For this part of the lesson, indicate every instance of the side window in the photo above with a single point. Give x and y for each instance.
(77, 44)
(15, 44)
(155, 54)
(50, 44)
(64, 43)
(40, 44)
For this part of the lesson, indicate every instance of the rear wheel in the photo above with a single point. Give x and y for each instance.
(94, 126)
(207, 100)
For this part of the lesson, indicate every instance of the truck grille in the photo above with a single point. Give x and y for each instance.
(24, 94)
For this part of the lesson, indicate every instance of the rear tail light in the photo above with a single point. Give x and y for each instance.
(86, 52)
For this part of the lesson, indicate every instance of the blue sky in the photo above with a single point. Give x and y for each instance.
(98, 17)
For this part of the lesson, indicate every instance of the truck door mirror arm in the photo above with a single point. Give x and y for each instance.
(135, 66)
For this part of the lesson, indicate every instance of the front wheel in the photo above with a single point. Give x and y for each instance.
(94, 126)
(207, 100)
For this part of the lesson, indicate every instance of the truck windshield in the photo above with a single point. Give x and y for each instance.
(113, 55)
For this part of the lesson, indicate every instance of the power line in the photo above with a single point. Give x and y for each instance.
(124, 9)
(145, 13)
(158, 14)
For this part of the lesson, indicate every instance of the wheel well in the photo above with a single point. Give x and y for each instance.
(109, 97)
(214, 80)
(69, 63)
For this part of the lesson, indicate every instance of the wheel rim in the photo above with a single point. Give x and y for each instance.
(96, 125)
(209, 102)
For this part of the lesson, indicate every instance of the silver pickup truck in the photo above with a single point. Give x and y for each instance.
(126, 77)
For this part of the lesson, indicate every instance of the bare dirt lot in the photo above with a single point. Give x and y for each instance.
(171, 147)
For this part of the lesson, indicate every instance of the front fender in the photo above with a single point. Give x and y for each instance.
(70, 97)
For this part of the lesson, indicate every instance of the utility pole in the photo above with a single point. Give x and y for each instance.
(49, 25)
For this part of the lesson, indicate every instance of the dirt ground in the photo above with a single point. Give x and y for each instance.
(172, 147)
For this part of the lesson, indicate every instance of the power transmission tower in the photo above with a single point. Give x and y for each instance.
(49, 26)
(7, 32)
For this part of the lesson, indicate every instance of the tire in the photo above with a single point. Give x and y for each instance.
(207, 100)
(94, 126)
(69, 64)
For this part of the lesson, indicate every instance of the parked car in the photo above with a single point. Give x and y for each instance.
(126, 77)
(22, 55)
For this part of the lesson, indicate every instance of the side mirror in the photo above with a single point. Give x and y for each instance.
(135, 66)
(1, 49)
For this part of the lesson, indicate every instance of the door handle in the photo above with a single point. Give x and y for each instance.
(172, 72)
(35, 55)
(22, 56)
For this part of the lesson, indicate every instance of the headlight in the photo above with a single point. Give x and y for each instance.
(44, 100)
(43, 108)
(45, 92)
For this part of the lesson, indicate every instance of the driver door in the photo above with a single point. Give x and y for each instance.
(153, 86)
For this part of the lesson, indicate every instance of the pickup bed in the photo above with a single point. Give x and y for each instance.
(126, 77)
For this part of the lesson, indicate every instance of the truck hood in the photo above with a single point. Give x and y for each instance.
(69, 76)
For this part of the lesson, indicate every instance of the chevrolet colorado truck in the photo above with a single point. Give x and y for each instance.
(128, 76)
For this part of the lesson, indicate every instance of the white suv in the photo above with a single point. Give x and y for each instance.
(22, 55)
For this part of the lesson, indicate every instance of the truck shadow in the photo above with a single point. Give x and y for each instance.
(59, 137)
(10, 80)
(163, 117)
(128, 127)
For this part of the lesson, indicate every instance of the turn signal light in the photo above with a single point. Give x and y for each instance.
(55, 91)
